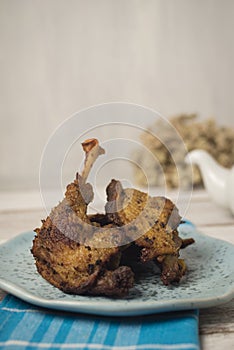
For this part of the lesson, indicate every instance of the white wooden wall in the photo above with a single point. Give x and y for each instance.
(58, 56)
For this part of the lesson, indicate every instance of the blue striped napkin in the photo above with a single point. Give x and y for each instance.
(24, 326)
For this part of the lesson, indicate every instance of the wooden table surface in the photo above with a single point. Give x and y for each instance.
(22, 211)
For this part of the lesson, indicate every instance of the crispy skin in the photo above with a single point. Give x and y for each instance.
(75, 257)
(152, 223)
(69, 253)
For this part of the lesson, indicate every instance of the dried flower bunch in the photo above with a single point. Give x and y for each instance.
(206, 135)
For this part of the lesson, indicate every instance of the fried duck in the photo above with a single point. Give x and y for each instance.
(151, 223)
(71, 253)
(87, 254)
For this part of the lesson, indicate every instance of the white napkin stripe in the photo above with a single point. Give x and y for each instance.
(21, 310)
(100, 346)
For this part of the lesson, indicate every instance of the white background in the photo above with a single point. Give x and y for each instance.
(58, 56)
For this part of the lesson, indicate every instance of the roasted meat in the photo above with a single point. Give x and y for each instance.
(89, 254)
(150, 222)
(65, 257)
(71, 253)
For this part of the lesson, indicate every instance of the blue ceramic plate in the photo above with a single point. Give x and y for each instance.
(209, 281)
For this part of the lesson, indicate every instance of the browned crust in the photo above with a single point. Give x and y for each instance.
(70, 254)
(155, 234)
